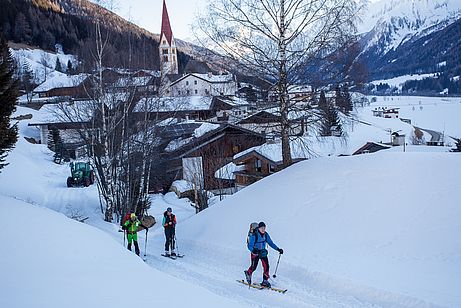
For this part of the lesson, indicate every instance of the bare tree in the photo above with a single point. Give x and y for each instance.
(277, 37)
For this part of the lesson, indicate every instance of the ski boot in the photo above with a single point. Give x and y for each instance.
(173, 253)
(247, 277)
(266, 283)
(167, 253)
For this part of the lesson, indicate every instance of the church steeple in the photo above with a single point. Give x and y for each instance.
(167, 47)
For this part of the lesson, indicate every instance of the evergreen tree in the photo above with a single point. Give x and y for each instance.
(27, 80)
(329, 124)
(338, 98)
(58, 65)
(69, 68)
(346, 100)
(8, 98)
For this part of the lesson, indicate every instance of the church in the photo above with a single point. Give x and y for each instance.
(192, 82)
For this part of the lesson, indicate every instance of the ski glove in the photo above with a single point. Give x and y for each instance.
(281, 251)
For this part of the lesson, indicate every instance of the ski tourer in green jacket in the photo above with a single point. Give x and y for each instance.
(131, 226)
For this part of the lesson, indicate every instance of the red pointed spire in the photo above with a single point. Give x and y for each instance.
(166, 27)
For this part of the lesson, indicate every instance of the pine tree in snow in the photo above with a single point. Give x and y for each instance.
(8, 98)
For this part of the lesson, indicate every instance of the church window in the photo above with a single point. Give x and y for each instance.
(165, 58)
(165, 51)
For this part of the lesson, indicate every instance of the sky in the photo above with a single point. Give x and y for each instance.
(148, 14)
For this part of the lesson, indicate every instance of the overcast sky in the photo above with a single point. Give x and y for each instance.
(148, 14)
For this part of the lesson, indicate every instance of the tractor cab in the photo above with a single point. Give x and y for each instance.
(80, 174)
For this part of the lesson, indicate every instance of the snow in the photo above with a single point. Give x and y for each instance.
(35, 57)
(61, 81)
(58, 262)
(227, 172)
(399, 81)
(376, 230)
(397, 21)
(361, 228)
(166, 104)
(215, 78)
(182, 186)
(205, 128)
(436, 113)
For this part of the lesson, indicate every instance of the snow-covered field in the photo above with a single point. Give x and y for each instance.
(377, 230)
(436, 113)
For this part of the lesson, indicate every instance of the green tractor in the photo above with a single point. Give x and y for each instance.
(81, 174)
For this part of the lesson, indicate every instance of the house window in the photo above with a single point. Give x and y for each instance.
(235, 149)
(164, 42)
(258, 165)
(165, 51)
(165, 58)
(207, 92)
(271, 168)
(179, 92)
(195, 82)
(187, 83)
(188, 92)
(196, 92)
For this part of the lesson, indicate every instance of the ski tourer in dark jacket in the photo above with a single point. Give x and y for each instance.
(169, 224)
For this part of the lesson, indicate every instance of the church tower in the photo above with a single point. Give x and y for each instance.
(167, 47)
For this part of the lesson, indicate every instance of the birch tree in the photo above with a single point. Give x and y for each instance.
(277, 38)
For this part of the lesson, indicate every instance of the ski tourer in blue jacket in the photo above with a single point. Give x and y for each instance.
(257, 242)
(257, 247)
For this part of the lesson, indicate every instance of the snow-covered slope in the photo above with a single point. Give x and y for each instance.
(48, 260)
(393, 22)
(376, 228)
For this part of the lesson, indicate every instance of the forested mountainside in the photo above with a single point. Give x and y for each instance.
(71, 23)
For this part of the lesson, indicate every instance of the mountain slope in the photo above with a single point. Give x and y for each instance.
(410, 36)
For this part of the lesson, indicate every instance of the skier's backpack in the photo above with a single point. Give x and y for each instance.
(253, 227)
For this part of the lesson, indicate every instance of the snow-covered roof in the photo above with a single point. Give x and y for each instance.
(199, 131)
(77, 111)
(132, 81)
(273, 151)
(61, 81)
(299, 89)
(233, 100)
(227, 172)
(164, 104)
(209, 78)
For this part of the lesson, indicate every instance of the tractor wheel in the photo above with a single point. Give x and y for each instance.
(91, 177)
(69, 182)
(86, 181)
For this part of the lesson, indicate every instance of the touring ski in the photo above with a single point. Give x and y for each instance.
(260, 287)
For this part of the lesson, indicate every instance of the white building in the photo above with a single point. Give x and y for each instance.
(203, 85)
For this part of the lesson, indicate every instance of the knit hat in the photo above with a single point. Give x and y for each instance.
(133, 215)
(169, 210)
(261, 224)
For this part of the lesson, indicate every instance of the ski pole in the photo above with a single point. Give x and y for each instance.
(176, 243)
(124, 235)
(145, 243)
(275, 273)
